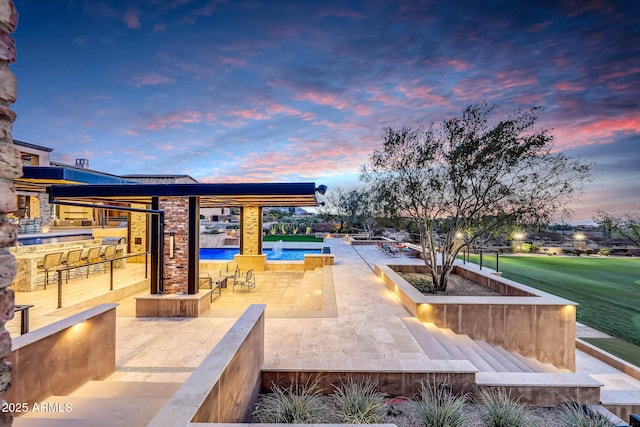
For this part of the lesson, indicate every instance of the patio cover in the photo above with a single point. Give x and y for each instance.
(211, 195)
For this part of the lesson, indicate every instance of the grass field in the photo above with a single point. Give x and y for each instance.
(291, 238)
(606, 289)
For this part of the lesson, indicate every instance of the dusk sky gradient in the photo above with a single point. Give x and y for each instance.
(237, 91)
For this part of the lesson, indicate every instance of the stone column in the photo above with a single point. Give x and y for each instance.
(45, 208)
(251, 256)
(176, 223)
(10, 169)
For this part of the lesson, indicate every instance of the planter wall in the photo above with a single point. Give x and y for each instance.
(525, 320)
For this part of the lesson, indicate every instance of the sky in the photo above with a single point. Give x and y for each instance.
(289, 91)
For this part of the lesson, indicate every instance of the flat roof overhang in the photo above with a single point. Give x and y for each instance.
(297, 194)
(38, 178)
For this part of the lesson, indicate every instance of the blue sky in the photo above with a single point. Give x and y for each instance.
(230, 91)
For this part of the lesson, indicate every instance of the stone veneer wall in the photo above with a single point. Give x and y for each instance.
(137, 230)
(251, 230)
(176, 221)
(45, 208)
(10, 168)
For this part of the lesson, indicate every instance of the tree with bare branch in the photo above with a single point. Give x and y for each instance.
(471, 176)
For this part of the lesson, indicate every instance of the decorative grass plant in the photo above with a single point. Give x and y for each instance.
(501, 410)
(292, 405)
(359, 402)
(438, 407)
(573, 415)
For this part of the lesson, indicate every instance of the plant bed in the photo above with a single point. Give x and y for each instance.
(344, 406)
(291, 238)
(457, 286)
(522, 319)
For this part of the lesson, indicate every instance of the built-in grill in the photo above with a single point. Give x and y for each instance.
(114, 241)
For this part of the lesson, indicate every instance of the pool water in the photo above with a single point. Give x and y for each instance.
(285, 255)
(28, 241)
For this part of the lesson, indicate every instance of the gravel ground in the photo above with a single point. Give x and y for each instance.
(458, 286)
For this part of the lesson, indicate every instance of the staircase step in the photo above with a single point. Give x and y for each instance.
(477, 355)
(535, 365)
(508, 361)
(427, 342)
(127, 389)
(135, 411)
(454, 352)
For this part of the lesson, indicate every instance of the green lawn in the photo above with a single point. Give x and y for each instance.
(606, 289)
(292, 238)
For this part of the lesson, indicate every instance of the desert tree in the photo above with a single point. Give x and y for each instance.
(627, 224)
(352, 208)
(469, 177)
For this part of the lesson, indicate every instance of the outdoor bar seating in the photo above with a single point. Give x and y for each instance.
(93, 255)
(50, 262)
(74, 259)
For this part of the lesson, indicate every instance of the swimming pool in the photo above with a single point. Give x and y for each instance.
(285, 255)
(28, 241)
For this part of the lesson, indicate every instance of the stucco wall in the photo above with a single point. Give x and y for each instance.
(60, 357)
(540, 325)
(222, 388)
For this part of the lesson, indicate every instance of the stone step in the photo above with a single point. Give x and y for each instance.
(535, 365)
(427, 342)
(136, 411)
(308, 297)
(477, 355)
(508, 360)
(450, 346)
(137, 389)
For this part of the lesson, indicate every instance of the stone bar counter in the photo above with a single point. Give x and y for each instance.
(27, 258)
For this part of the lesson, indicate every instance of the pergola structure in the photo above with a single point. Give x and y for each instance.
(174, 220)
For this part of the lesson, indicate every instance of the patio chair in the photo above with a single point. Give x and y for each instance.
(214, 282)
(248, 281)
(74, 259)
(50, 262)
(232, 270)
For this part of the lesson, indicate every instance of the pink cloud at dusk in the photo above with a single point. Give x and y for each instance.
(245, 91)
(132, 19)
(152, 79)
(319, 98)
(172, 119)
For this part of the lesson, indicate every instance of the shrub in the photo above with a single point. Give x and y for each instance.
(604, 252)
(292, 405)
(438, 407)
(573, 415)
(359, 402)
(419, 281)
(501, 411)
